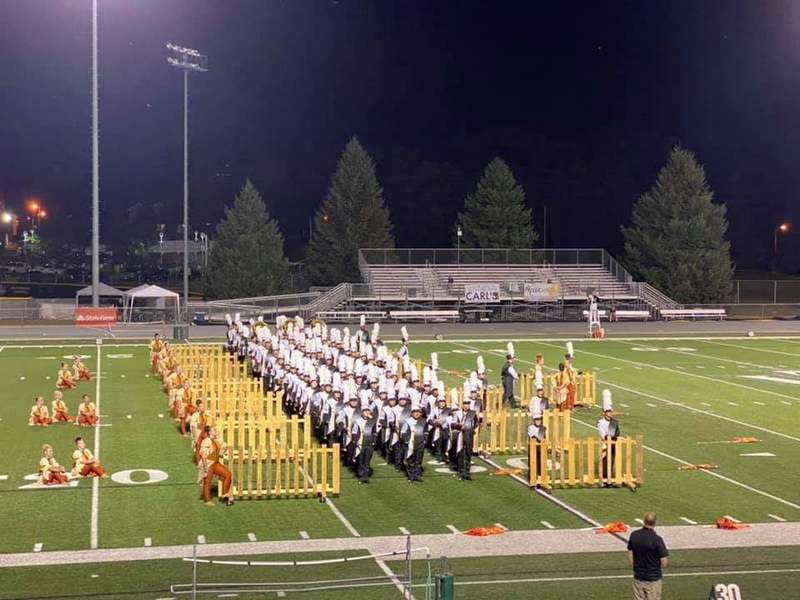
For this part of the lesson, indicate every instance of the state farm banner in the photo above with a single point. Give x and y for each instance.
(480, 293)
(95, 317)
(541, 292)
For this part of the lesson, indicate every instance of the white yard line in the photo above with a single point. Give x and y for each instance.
(686, 373)
(252, 537)
(93, 535)
(385, 568)
(712, 473)
(404, 531)
(639, 521)
(546, 524)
(686, 406)
(793, 354)
(304, 535)
(453, 529)
(734, 519)
(347, 524)
(201, 539)
(777, 518)
(37, 547)
(689, 521)
(148, 542)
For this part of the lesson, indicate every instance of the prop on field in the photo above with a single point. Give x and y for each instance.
(736, 440)
(614, 527)
(704, 466)
(485, 531)
(507, 471)
(726, 523)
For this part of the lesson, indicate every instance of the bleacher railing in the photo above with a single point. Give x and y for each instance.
(491, 256)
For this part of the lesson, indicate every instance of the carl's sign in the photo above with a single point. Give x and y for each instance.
(481, 293)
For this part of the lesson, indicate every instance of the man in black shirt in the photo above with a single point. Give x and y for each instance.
(647, 555)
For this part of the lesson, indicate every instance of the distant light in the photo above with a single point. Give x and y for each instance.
(784, 227)
(33, 206)
(6, 217)
(42, 214)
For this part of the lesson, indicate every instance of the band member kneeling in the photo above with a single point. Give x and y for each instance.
(210, 453)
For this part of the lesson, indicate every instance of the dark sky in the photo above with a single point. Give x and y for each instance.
(583, 99)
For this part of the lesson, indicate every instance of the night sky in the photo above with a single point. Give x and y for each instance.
(583, 100)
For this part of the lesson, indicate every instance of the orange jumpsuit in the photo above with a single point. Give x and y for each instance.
(50, 472)
(81, 372)
(40, 416)
(65, 380)
(572, 386)
(87, 414)
(86, 465)
(189, 409)
(562, 381)
(60, 412)
(210, 466)
(155, 350)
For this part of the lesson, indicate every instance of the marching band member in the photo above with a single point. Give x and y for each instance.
(608, 432)
(84, 462)
(188, 407)
(538, 370)
(40, 416)
(211, 452)
(438, 425)
(572, 377)
(537, 431)
(60, 411)
(539, 403)
(81, 371)
(464, 422)
(413, 433)
(561, 383)
(198, 428)
(50, 472)
(509, 375)
(363, 434)
(87, 413)
(65, 381)
(156, 346)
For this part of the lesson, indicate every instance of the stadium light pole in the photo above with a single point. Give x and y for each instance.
(782, 228)
(186, 59)
(95, 169)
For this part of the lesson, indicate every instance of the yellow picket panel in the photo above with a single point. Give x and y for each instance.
(583, 462)
(506, 431)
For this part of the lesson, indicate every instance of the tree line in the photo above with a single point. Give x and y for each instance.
(676, 238)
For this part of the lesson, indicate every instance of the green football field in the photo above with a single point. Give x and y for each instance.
(688, 398)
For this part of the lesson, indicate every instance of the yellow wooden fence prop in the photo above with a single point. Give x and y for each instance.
(506, 431)
(251, 434)
(285, 472)
(581, 462)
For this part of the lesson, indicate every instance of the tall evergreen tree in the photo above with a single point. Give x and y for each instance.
(246, 258)
(352, 216)
(676, 240)
(495, 215)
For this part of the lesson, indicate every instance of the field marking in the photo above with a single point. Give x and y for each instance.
(546, 524)
(732, 403)
(404, 589)
(734, 519)
(651, 405)
(756, 349)
(610, 577)
(714, 379)
(37, 547)
(347, 524)
(148, 542)
(201, 539)
(759, 403)
(404, 531)
(96, 480)
(712, 473)
(786, 403)
(501, 526)
(639, 521)
(3, 477)
(252, 537)
(304, 535)
(689, 521)
(453, 529)
(776, 517)
(692, 408)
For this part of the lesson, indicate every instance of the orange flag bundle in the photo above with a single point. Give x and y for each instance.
(726, 523)
(507, 471)
(706, 466)
(745, 440)
(484, 531)
(615, 527)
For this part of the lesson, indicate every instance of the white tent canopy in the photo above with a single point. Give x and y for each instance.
(151, 292)
(102, 290)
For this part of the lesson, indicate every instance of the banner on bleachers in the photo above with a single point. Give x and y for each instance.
(542, 292)
(480, 293)
(95, 317)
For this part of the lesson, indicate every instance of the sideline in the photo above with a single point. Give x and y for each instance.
(96, 480)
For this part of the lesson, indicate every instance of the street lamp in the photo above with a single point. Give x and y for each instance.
(459, 233)
(186, 59)
(782, 228)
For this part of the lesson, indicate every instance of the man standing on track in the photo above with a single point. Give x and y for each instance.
(647, 554)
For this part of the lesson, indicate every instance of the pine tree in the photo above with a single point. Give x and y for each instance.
(495, 215)
(352, 216)
(246, 258)
(676, 240)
